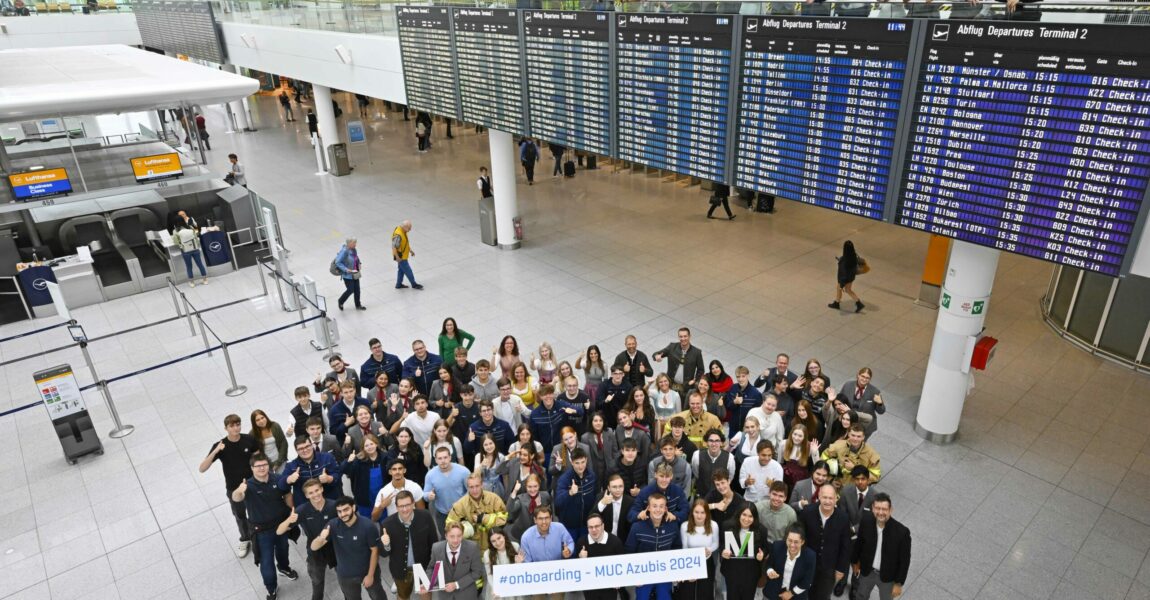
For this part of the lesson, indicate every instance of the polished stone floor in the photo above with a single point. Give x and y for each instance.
(1045, 495)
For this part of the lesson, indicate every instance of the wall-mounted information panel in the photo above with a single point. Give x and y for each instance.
(818, 108)
(1031, 138)
(569, 70)
(673, 78)
(487, 46)
(429, 71)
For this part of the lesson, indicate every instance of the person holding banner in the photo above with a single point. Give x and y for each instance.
(745, 549)
(655, 533)
(699, 532)
(501, 550)
(462, 565)
(674, 498)
(599, 542)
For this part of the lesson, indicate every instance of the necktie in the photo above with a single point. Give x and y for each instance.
(861, 496)
(453, 553)
(858, 393)
(531, 504)
(599, 439)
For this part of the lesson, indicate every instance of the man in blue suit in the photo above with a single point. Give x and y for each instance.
(790, 568)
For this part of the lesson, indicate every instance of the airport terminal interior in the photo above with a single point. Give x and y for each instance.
(1045, 493)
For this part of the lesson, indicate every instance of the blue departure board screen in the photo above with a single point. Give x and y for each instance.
(490, 67)
(425, 45)
(569, 67)
(673, 76)
(818, 108)
(1031, 138)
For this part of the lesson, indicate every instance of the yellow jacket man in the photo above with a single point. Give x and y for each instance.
(478, 511)
(400, 252)
(844, 455)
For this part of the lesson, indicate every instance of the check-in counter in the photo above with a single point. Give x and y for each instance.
(215, 252)
(76, 276)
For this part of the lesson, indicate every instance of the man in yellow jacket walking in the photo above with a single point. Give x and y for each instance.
(400, 252)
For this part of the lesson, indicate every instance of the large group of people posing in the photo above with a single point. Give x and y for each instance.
(520, 457)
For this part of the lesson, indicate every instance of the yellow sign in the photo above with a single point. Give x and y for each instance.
(38, 177)
(42, 183)
(159, 166)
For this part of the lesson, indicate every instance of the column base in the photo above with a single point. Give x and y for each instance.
(941, 439)
(928, 295)
(512, 246)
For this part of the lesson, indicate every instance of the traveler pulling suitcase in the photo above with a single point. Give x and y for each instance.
(569, 168)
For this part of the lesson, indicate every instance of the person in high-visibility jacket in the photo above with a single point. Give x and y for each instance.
(478, 511)
(400, 252)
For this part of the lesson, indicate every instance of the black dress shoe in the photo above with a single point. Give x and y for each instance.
(401, 287)
(361, 307)
(416, 286)
(840, 587)
(340, 306)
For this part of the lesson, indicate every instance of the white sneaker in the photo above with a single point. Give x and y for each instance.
(242, 549)
(205, 281)
(393, 590)
(191, 283)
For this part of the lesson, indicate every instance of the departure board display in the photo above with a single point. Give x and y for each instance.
(428, 71)
(673, 76)
(490, 67)
(1031, 138)
(569, 67)
(818, 108)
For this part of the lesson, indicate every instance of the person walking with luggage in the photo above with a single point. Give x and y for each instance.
(484, 184)
(189, 242)
(557, 153)
(285, 102)
(528, 154)
(349, 266)
(848, 269)
(721, 195)
(401, 253)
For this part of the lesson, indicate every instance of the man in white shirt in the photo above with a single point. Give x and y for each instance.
(758, 472)
(422, 421)
(599, 542)
(385, 499)
(509, 407)
(614, 507)
(791, 566)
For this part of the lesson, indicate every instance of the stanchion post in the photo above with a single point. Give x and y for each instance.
(204, 333)
(300, 301)
(120, 430)
(188, 310)
(175, 301)
(236, 388)
(263, 278)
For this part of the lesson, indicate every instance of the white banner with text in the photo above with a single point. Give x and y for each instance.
(605, 572)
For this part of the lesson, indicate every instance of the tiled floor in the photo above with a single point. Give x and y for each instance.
(1046, 495)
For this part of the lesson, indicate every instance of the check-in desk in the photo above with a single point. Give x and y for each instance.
(76, 276)
(215, 252)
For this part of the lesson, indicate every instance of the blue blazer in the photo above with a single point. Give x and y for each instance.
(803, 577)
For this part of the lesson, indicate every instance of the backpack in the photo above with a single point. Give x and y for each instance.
(333, 268)
(187, 243)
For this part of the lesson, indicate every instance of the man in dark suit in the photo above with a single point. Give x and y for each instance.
(806, 491)
(829, 534)
(855, 500)
(782, 367)
(881, 554)
(462, 566)
(635, 364)
(408, 536)
(614, 507)
(790, 550)
(598, 542)
(684, 362)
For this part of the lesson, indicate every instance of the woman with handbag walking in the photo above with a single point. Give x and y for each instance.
(850, 265)
(348, 265)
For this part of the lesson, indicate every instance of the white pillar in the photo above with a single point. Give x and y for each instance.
(239, 111)
(328, 128)
(503, 161)
(961, 313)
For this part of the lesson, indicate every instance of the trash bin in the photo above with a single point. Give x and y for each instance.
(337, 160)
(487, 221)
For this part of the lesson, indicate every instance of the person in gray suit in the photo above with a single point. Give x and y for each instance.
(806, 491)
(864, 398)
(684, 362)
(520, 508)
(856, 499)
(462, 565)
(323, 442)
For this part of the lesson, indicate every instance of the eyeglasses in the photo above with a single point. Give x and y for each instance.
(262, 466)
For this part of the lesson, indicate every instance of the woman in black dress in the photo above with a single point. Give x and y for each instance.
(743, 567)
(848, 269)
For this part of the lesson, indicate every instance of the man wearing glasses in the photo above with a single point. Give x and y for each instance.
(268, 505)
(704, 464)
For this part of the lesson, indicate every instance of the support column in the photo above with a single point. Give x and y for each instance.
(962, 311)
(238, 110)
(503, 155)
(328, 128)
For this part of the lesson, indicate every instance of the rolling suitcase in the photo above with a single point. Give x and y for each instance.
(569, 168)
(765, 203)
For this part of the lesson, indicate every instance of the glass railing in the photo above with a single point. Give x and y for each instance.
(10, 8)
(378, 17)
